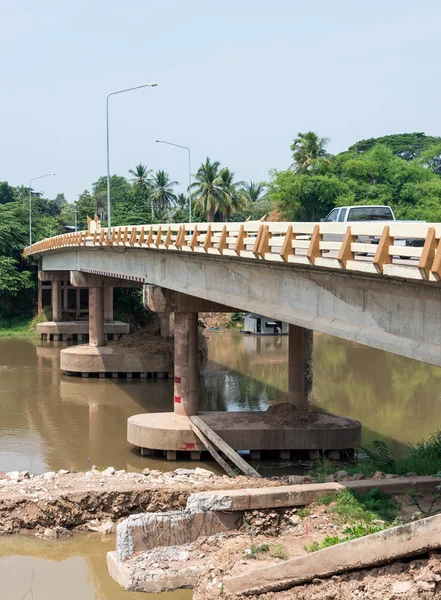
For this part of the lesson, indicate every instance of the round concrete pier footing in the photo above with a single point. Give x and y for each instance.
(96, 360)
(244, 431)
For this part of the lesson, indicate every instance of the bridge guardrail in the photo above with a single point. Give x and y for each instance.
(289, 243)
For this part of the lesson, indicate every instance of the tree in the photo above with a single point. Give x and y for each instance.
(142, 176)
(6, 193)
(253, 192)
(306, 148)
(208, 188)
(405, 145)
(231, 199)
(162, 191)
(302, 197)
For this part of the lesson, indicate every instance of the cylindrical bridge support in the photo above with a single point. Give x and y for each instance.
(96, 316)
(56, 300)
(108, 304)
(300, 367)
(186, 364)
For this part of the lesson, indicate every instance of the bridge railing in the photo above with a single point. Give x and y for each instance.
(366, 247)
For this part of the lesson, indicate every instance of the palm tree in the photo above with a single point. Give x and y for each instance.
(208, 188)
(253, 192)
(181, 201)
(162, 191)
(141, 176)
(232, 198)
(306, 148)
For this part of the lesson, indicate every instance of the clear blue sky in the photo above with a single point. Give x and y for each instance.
(237, 79)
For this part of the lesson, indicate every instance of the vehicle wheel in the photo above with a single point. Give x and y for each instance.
(405, 257)
(362, 253)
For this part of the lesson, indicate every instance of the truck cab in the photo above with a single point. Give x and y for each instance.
(344, 214)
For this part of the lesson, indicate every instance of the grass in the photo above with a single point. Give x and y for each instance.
(274, 550)
(351, 533)
(354, 507)
(304, 512)
(23, 326)
(423, 458)
(17, 327)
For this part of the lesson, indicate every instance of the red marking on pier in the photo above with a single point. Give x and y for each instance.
(177, 380)
(178, 399)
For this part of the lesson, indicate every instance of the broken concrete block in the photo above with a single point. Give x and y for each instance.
(139, 533)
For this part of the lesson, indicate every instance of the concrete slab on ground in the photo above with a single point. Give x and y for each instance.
(379, 548)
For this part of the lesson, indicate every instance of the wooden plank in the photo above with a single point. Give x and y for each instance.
(141, 236)
(436, 267)
(150, 237)
(382, 256)
(168, 238)
(314, 245)
(263, 243)
(158, 239)
(257, 240)
(224, 447)
(194, 238)
(208, 243)
(428, 253)
(346, 252)
(133, 236)
(240, 244)
(212, 450)
(287, 248)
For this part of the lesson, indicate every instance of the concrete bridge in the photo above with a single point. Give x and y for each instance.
(314, 276)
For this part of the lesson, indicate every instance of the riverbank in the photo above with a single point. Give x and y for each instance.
(17, 327)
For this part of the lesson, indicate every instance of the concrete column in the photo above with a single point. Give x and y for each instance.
(96, 316)
(186, 364)
(56, 300)
(65, 293)
(108, 304)
(40, 299)
(165, 324)
(300, 368)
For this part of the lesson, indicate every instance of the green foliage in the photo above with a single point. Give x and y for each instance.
(307, 148)
(304, 512)
(353, 507)
(351, 533)
(407, 146)
(304, 197)
(274, 550)
(6, 193)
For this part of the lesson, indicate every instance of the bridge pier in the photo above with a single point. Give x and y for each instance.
(56, 300)
(186, 364)
(108, 304)
(300, 367)
(96, 316)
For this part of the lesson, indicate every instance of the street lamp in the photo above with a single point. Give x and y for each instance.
(189, 172)
(108, 152)
(30, 205)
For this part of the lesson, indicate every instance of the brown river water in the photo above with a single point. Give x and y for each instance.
(49, 421)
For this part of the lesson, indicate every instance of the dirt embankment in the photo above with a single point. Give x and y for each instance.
(87, 501)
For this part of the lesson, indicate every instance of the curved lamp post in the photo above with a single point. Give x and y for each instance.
(30, 205)
(138, 87)
(189, 172)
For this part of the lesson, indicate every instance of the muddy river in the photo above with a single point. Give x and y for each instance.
(49, 421)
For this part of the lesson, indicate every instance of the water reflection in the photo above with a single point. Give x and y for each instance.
(49, 421)
(71, 569)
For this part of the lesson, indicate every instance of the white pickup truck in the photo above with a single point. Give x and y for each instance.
(370, 213)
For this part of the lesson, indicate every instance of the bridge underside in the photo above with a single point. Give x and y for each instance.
(395, 315)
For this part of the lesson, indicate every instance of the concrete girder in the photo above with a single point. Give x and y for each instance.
(89, 280)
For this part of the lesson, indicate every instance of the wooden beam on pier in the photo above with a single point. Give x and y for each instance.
(223, 447)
